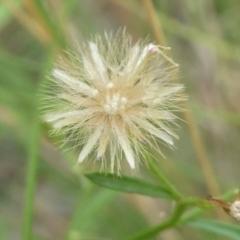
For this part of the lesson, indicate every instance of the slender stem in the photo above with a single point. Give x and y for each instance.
(27, 21)
(146, 234)
(38, 11)
(33, 158)
(177, 217)
(204, 161)
(31, 177)
(155, 24)
(160, 176)
(194, 132)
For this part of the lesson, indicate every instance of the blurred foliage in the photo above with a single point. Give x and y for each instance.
(204, 36)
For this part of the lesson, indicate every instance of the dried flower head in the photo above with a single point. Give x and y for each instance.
(113, 97)
(235, 210)
(232, 209)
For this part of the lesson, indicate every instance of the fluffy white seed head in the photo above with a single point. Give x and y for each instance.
(112, 97)
(235, 210)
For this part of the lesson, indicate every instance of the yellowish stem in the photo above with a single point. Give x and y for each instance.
(194, 132)
(27, 21)
(154, 23)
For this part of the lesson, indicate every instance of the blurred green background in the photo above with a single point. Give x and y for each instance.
(205, 40)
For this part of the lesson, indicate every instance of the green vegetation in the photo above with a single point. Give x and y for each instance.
(45, 195)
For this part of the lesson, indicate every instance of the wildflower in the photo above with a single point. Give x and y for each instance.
(113, 97)
(233, 209)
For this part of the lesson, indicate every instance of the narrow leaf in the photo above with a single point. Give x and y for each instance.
(128, 184)
(231, 231)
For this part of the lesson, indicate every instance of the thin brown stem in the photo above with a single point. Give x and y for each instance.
(193, 129)
(27, 21)
(154, 23)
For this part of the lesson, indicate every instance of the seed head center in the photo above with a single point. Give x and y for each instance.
(114, 103)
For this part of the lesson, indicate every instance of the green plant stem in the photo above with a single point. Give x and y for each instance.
(179, 209)
(163, 180)
(177, 216)
(31, 178)
(33, 156)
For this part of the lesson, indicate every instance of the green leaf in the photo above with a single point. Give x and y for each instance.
(231, 231)
(128, 184)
